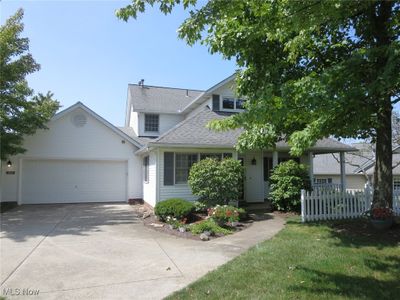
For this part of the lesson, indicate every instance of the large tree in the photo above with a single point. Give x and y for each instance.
(310, 69)
(21, 111)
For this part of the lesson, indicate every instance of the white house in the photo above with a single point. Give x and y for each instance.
(84, 158)
(359, 168)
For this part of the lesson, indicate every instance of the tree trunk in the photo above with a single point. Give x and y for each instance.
(383, 180)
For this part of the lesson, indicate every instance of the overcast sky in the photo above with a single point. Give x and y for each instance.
(89, 55)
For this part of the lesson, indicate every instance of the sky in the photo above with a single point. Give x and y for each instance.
(87, 54)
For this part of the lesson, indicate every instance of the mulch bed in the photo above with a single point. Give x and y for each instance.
(165, 228)
(363, 228)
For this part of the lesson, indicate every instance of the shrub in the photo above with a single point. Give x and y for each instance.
(226, 213)
(287, 181)
(174, 207)
(208, 225)
(216, 182)
(199, 207)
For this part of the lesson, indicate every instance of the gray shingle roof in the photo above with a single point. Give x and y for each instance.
(130, 132)
(329, 163)
(159, 99)
(193, 132)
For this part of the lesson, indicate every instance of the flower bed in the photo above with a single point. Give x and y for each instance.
(200, 223)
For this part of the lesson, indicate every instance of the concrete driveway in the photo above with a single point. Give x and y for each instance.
(103, 251)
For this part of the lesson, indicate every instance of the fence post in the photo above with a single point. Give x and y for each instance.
(303, 194)
(367, 196)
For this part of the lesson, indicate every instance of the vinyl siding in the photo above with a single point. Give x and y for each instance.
(166, 122)
(150, 187)
(65, 141)
(134, 122)
(353, 182)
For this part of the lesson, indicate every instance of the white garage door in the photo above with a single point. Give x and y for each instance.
(62, 181)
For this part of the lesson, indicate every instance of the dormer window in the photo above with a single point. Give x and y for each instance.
(231, 104)
(151, 122)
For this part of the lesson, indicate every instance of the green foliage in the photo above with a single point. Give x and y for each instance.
(21, 112)
(199, 207)
(309, 69)
(208, 225)
(216, 182)
(287, 181)
(174, 207)
(225, 213)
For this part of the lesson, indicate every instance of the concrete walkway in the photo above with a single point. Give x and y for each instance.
(103, 251)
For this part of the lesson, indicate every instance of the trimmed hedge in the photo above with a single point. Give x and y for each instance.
(174, 207)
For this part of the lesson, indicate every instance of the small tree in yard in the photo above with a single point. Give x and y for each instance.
(216, 182)
(21, 112)
(287, 181)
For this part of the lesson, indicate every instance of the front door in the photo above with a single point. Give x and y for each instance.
(254, 182)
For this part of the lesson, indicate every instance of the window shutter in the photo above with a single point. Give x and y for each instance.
(215, 102)
(168, 168)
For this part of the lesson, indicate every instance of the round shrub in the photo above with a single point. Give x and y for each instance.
(216, 182)
(287, 181)
(174, 207)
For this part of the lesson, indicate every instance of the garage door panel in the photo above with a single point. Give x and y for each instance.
(62, 181)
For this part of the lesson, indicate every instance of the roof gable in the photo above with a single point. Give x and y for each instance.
(115, 129)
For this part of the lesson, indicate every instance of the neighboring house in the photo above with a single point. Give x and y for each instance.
(83, 158)
(359, 168)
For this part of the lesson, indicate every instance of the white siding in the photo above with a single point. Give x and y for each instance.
(150, 187)
(353, 182)
(166, 122)
(134, 122)
(63, 140)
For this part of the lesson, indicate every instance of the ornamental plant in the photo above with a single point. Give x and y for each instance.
(174, 208)
(381, 213)
(216, 182)
(225, 213)
(287, 181)
(210, 226)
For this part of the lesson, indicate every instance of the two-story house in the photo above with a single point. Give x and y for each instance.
(84, 158)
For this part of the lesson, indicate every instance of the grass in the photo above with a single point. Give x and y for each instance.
(344, 260)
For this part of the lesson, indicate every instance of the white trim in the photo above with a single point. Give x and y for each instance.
(98, 118)
(208, 92)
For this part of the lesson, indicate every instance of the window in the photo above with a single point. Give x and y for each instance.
(228, 103)
(151, 122)
(232, 103)
(183, 163)
(146, 168)
(396, 183)
(217, 156)
(323, 180)
(240, 103)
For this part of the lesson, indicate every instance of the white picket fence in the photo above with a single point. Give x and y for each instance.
(331, 204)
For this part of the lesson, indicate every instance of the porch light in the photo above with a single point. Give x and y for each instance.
(9, 164)
(253, 161)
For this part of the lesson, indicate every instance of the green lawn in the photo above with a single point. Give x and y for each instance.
(346, 260)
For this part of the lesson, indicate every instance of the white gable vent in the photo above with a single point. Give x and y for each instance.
(79, 120)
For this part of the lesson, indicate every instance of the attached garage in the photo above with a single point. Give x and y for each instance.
(80, 158)
(66, 181)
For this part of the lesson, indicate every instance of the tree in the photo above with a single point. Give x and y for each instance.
(21, 112)
(309, 69)
(216, 182)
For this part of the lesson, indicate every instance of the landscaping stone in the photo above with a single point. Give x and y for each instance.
(146, 214)
(207, 233)
(182, 229)
(156, 225)
(204, 237)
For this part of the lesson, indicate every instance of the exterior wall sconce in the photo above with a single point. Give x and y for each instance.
(253, 161)
(9, 164)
